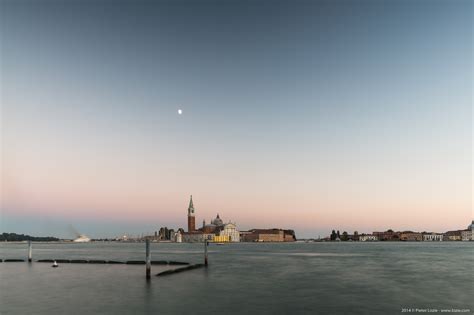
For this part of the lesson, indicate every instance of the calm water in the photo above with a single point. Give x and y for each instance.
(300, 278)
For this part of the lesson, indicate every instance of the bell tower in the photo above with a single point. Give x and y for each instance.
(191, 218)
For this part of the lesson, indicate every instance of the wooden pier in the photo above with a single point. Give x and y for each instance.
(147, 262)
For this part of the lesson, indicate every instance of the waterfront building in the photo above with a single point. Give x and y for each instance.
(410, 236)
(165, 234)
(264, 235)
(268, 235)
(452, 236)
(244, 236)
(354, 237)
(289, 236)
(172, 235)
(178, 237)
(193, 237)
(368, 238)
(466, 235)
(230, 231)
(388, 235)
(432, 237)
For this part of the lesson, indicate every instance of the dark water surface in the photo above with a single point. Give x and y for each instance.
(298, 278)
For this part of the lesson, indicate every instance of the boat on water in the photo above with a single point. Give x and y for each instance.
(220, 243)
(82, 239)
(55, 264)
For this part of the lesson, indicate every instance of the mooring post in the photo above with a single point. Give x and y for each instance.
(148, 259)
(30, 250)
(206, 243)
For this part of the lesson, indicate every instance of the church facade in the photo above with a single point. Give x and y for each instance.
(230, 231)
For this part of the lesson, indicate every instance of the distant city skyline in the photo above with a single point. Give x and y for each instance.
(306, 115)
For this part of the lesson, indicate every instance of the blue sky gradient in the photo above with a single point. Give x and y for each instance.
(310, 115)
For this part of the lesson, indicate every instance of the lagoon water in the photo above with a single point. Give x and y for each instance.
(290, 278)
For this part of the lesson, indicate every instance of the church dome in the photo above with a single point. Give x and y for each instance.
(471, 226)
(217, 221)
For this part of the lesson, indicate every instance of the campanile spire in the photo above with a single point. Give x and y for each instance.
(191, 218)
(191, 206)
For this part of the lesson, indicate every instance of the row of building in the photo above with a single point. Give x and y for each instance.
(390, 235)
(220, 232)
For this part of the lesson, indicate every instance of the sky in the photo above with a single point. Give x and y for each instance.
(306, 115)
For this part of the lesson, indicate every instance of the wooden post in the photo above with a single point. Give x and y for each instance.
(148, 259)
(206, 243)
(30, 251)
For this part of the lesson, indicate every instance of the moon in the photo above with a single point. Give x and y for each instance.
(180, 111)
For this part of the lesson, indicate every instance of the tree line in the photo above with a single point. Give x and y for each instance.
(344, 237)
(13, 237)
